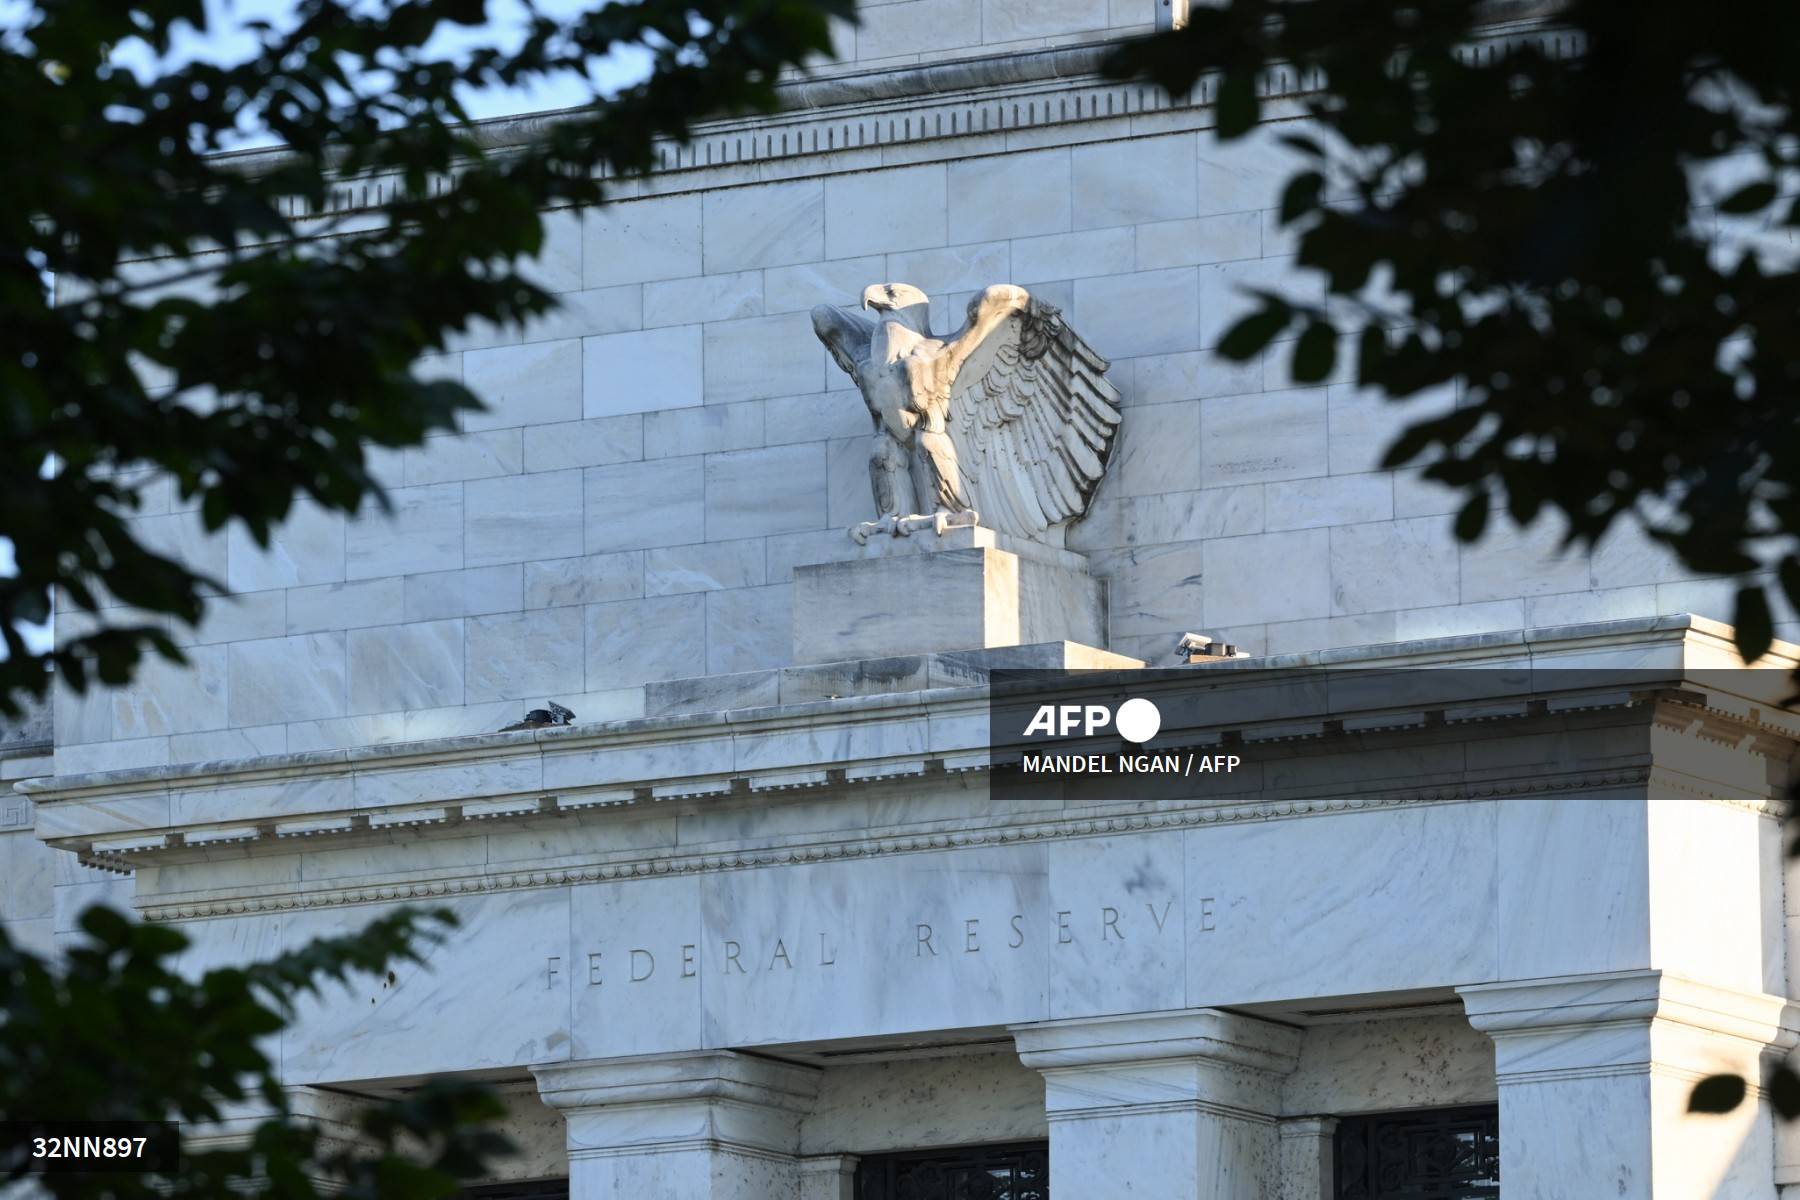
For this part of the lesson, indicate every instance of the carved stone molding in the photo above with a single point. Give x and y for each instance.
(882, 844)
(860, 119)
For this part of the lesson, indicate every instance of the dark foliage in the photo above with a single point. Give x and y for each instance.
(301, 355)
(1585, 227)
(118, 1032)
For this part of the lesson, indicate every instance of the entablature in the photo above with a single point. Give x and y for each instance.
(720, 779)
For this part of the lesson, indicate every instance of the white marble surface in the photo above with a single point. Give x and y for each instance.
(621, 426)
(682, 343)
(1194, 1093)
(518, 518)
(1120, 907)
(940, 600)
(975, 937)
(440, 1015)
(777, 921)
(534, 383)
(1385, 1063)
(641, 371)
(406, 666)
(904, 1103)
(1574, 889)
(1625, 1048)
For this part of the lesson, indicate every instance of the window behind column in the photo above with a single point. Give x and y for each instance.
(1015, 1171)
(1427, 1154)
(530, 1189)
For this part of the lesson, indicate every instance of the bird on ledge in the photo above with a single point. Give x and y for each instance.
(542, 718)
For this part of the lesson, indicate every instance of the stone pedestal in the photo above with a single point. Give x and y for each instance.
(965, 589)
(1168, 1105)
(706, 1125)
(1594, 1074)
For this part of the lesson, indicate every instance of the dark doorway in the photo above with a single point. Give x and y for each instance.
(1017, 1171)
(1430, 1154)
(530, 1189)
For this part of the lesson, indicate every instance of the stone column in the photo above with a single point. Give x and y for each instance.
(828, 1177)
(333, 1115)
(1306, 1157)
(1594, 1074)
(703, 1125)
(1166, 1105)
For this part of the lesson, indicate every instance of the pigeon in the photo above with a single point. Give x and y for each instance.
(542, 718)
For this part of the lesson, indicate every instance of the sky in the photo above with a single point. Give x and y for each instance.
(225, 40)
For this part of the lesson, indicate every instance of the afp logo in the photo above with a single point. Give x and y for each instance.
(1137, 720)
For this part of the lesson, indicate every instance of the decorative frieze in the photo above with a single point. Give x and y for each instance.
(911, 113)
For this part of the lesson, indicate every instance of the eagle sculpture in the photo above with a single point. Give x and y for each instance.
(1008, 423)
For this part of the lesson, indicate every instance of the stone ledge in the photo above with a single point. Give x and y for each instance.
(1566, 1003)
(825, 682)
(806, 849)
(1244, 1041)
(1672, 637)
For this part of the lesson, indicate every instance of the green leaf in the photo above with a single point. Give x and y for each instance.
(1237, 106)
(1789, 575)
(1472, 518)
(1304, 144)
(1371, 354)
(1755, 624)
(1717, 1094)
(1523, 499)
(1250, 336)
(1315, 353)
(1301, 196)
(1784, 1091)
(1750, 198)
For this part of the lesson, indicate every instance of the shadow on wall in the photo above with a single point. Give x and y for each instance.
(30, 730)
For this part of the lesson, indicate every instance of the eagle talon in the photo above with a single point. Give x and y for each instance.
(861, 533)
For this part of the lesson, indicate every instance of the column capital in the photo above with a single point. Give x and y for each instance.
(1189, 1097)
(828, 1177)
(829, 1166)
(1627, 1002)
(1628, 1047)
(1201, 1033)
(1307, 1127)
(698, 1100)
(1307, 1153)
(690, 1075)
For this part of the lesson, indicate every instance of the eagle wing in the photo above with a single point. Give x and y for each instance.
(1032, 415)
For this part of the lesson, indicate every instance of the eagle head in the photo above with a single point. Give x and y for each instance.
(908, 304)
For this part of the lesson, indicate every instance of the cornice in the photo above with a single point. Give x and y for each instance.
(861, 119)
(190, 814)
(1540, 649)
(877, 844)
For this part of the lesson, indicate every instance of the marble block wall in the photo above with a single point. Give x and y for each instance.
(660, 453)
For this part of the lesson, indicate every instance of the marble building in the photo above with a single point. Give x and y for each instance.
(760, 923)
